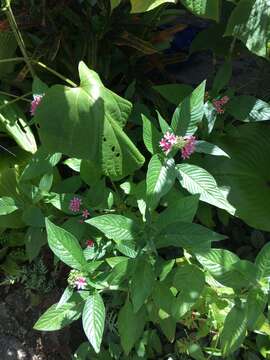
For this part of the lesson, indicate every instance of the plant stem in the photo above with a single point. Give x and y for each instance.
(14, 96)
(18, 36)
(15, 100)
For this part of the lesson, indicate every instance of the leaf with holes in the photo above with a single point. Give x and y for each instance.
(196, 180)
(90, 119)
(189, 113)
(65, 246)
(160, 178)
(94, 320)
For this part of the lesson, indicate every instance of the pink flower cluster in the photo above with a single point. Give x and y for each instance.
(218, 104)
(75, 204)
(186, 144)
(35, 103)
(90, 243)
(189, 147)
(80, 283)
(167, 142)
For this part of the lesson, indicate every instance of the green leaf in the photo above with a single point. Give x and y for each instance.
(198, 181)
(234, 330)
(250, 23)
(245, 177)
(193, 237)
(222, 78)
(142, 283)
(174, 93)
(116, 227)
(114, 4)
(39, 87)
(160, 178)
(263, 261)
(248, 108)
(189, 280)
(65, 246)
(94, 320)
(189, 113)
(194, 350)
(35, 238)
(55, 318)
(8, 205)
(73, 163)
(90, 123)
(256, 302)
(129, 335)
(41, 163)
(208, 148)
(151, 136)
(208, 9)
(146, 5)
(182, 210)
(33, 216)
(13, 121)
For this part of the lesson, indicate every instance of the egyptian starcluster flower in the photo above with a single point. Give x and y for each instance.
(186, 144)
(77, 280)
(35, 103)
(90, 243)
(85, 214)
(218, 104)
(75, 204)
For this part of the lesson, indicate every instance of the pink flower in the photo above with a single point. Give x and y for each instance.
(75, 204)
(219, 103)
(167, 142)
(35, 103)
(89, 243)
(80, 283)
(85, 214)
(189, 147)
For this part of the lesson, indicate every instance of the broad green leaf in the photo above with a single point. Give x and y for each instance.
(39, 87)
(250, 23)
(193, 237)
(151, 136)
(174, 93)
(204, 8)
(55, 318)
(189, 280)
(210, 114)
(208, 148)
(263, 261)
(222, 78)
(35, 238)
(90, 119)
(182, 210)
(142, 283)
(160, 178)
(129, 335)
(65, 246)
(8, 205)
(198, 181)
(248, 108)
(119, 273)
(234, 330)
(13, 121)
(168, 327)
(245, 177)
(73, 163)
(195, 352)
(189, 113)
(90, 172)
(33, 216)
(41, 163)
(146, 5)
(116, 227)
(256, 302)
(163, 297)
(69, 291)
(114, 4)
(93, 319)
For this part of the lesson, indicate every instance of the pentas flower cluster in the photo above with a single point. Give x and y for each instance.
(77, 280)
(35, 103)
(90, 243)
(75, 207)
(218, 104)
(186, 144)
